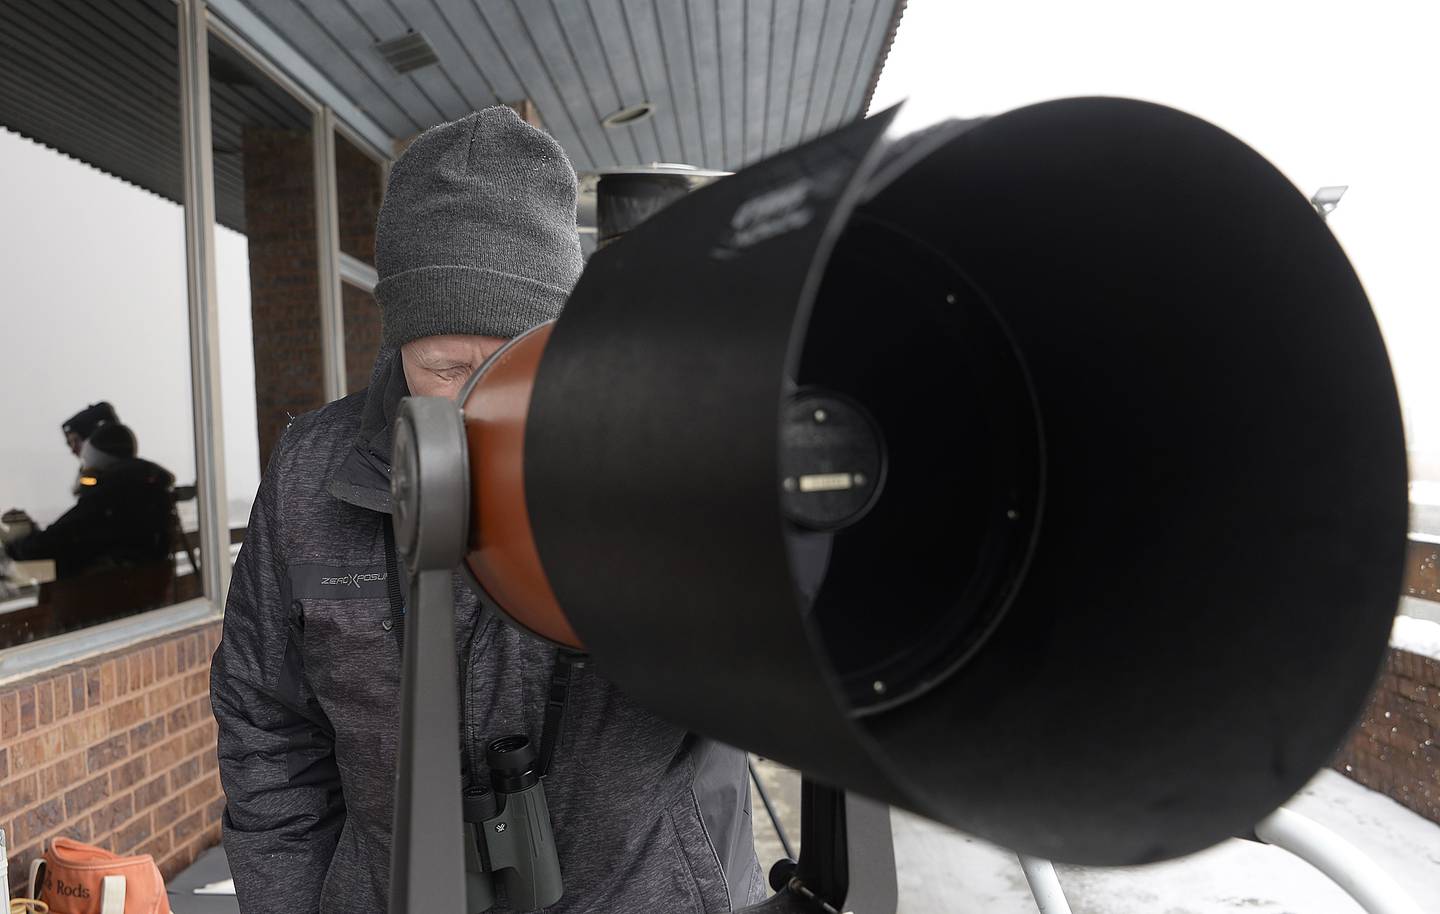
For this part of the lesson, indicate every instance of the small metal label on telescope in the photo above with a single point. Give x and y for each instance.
(825, 482)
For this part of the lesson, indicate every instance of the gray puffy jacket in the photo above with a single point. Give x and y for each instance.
(305, 688)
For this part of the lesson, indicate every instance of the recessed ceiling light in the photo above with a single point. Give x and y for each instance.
(631, 115)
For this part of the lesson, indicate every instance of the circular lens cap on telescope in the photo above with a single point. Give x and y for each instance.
(832, 460)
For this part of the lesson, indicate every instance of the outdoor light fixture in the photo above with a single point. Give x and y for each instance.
(1327, 198)
(1076, 527)
(632, 114)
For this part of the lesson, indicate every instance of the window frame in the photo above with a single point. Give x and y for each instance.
(197, 21)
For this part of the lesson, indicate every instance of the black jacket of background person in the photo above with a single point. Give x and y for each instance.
(123, 519)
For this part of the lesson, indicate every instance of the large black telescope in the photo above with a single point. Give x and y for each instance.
(1042, 474)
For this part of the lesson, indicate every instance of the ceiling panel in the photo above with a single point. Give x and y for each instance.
(731, 80)
(729, 90)
(94, 81)
(619, 51)
(701, 17)
(784, 38)
(676, 37)
(99, 81)
(812, 16)
(831, 37)
(756, 21)
(582, 33)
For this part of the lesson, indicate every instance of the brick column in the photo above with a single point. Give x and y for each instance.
(284, 278)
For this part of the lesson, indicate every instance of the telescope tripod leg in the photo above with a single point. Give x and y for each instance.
(847, 857)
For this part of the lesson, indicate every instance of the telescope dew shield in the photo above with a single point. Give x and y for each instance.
(1120, 565)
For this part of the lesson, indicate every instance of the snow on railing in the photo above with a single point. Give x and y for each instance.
(1418, 636)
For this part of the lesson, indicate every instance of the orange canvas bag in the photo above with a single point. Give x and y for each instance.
(78, 878)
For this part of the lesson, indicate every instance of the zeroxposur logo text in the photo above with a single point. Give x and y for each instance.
(354, 580)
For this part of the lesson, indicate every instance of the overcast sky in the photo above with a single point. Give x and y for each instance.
(93, 302)
(1332, 93)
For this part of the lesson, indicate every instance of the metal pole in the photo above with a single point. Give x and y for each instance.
(1341, 861)
(327, 245)
(211, 497)
(1044, 885)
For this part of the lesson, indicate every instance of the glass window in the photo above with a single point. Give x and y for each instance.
(97, 454)
(266, 274)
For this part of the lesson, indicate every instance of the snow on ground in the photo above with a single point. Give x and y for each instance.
(941, 871)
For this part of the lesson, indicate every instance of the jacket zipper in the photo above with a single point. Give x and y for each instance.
(477, 633)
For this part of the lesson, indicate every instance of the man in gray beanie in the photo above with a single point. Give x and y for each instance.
(476, 243)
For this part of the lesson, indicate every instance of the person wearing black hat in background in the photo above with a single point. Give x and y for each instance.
(78, 429)
(122, 513)
(83, 424)
(16, 524)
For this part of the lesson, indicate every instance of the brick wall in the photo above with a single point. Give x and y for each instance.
(284, 278)
(1422, 570)
(1396, 747)
(118, 751)
(357, 195)
(362, 336)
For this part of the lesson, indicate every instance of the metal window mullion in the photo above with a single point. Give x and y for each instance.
(240, 45)
(362, 140)
(327, 242)
(243, 27)
(199, 203)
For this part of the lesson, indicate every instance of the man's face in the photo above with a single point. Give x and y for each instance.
(75, 442)
(438, 366)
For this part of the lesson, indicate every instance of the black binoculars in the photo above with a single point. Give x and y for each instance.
(508, 839)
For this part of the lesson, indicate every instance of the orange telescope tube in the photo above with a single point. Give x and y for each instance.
(501, 552)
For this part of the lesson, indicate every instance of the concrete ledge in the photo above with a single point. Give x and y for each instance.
(76, 647)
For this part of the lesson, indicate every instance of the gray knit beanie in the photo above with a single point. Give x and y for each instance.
(477, 232)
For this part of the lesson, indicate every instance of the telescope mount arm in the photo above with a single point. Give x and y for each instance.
(427, 863)
(847, 858)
